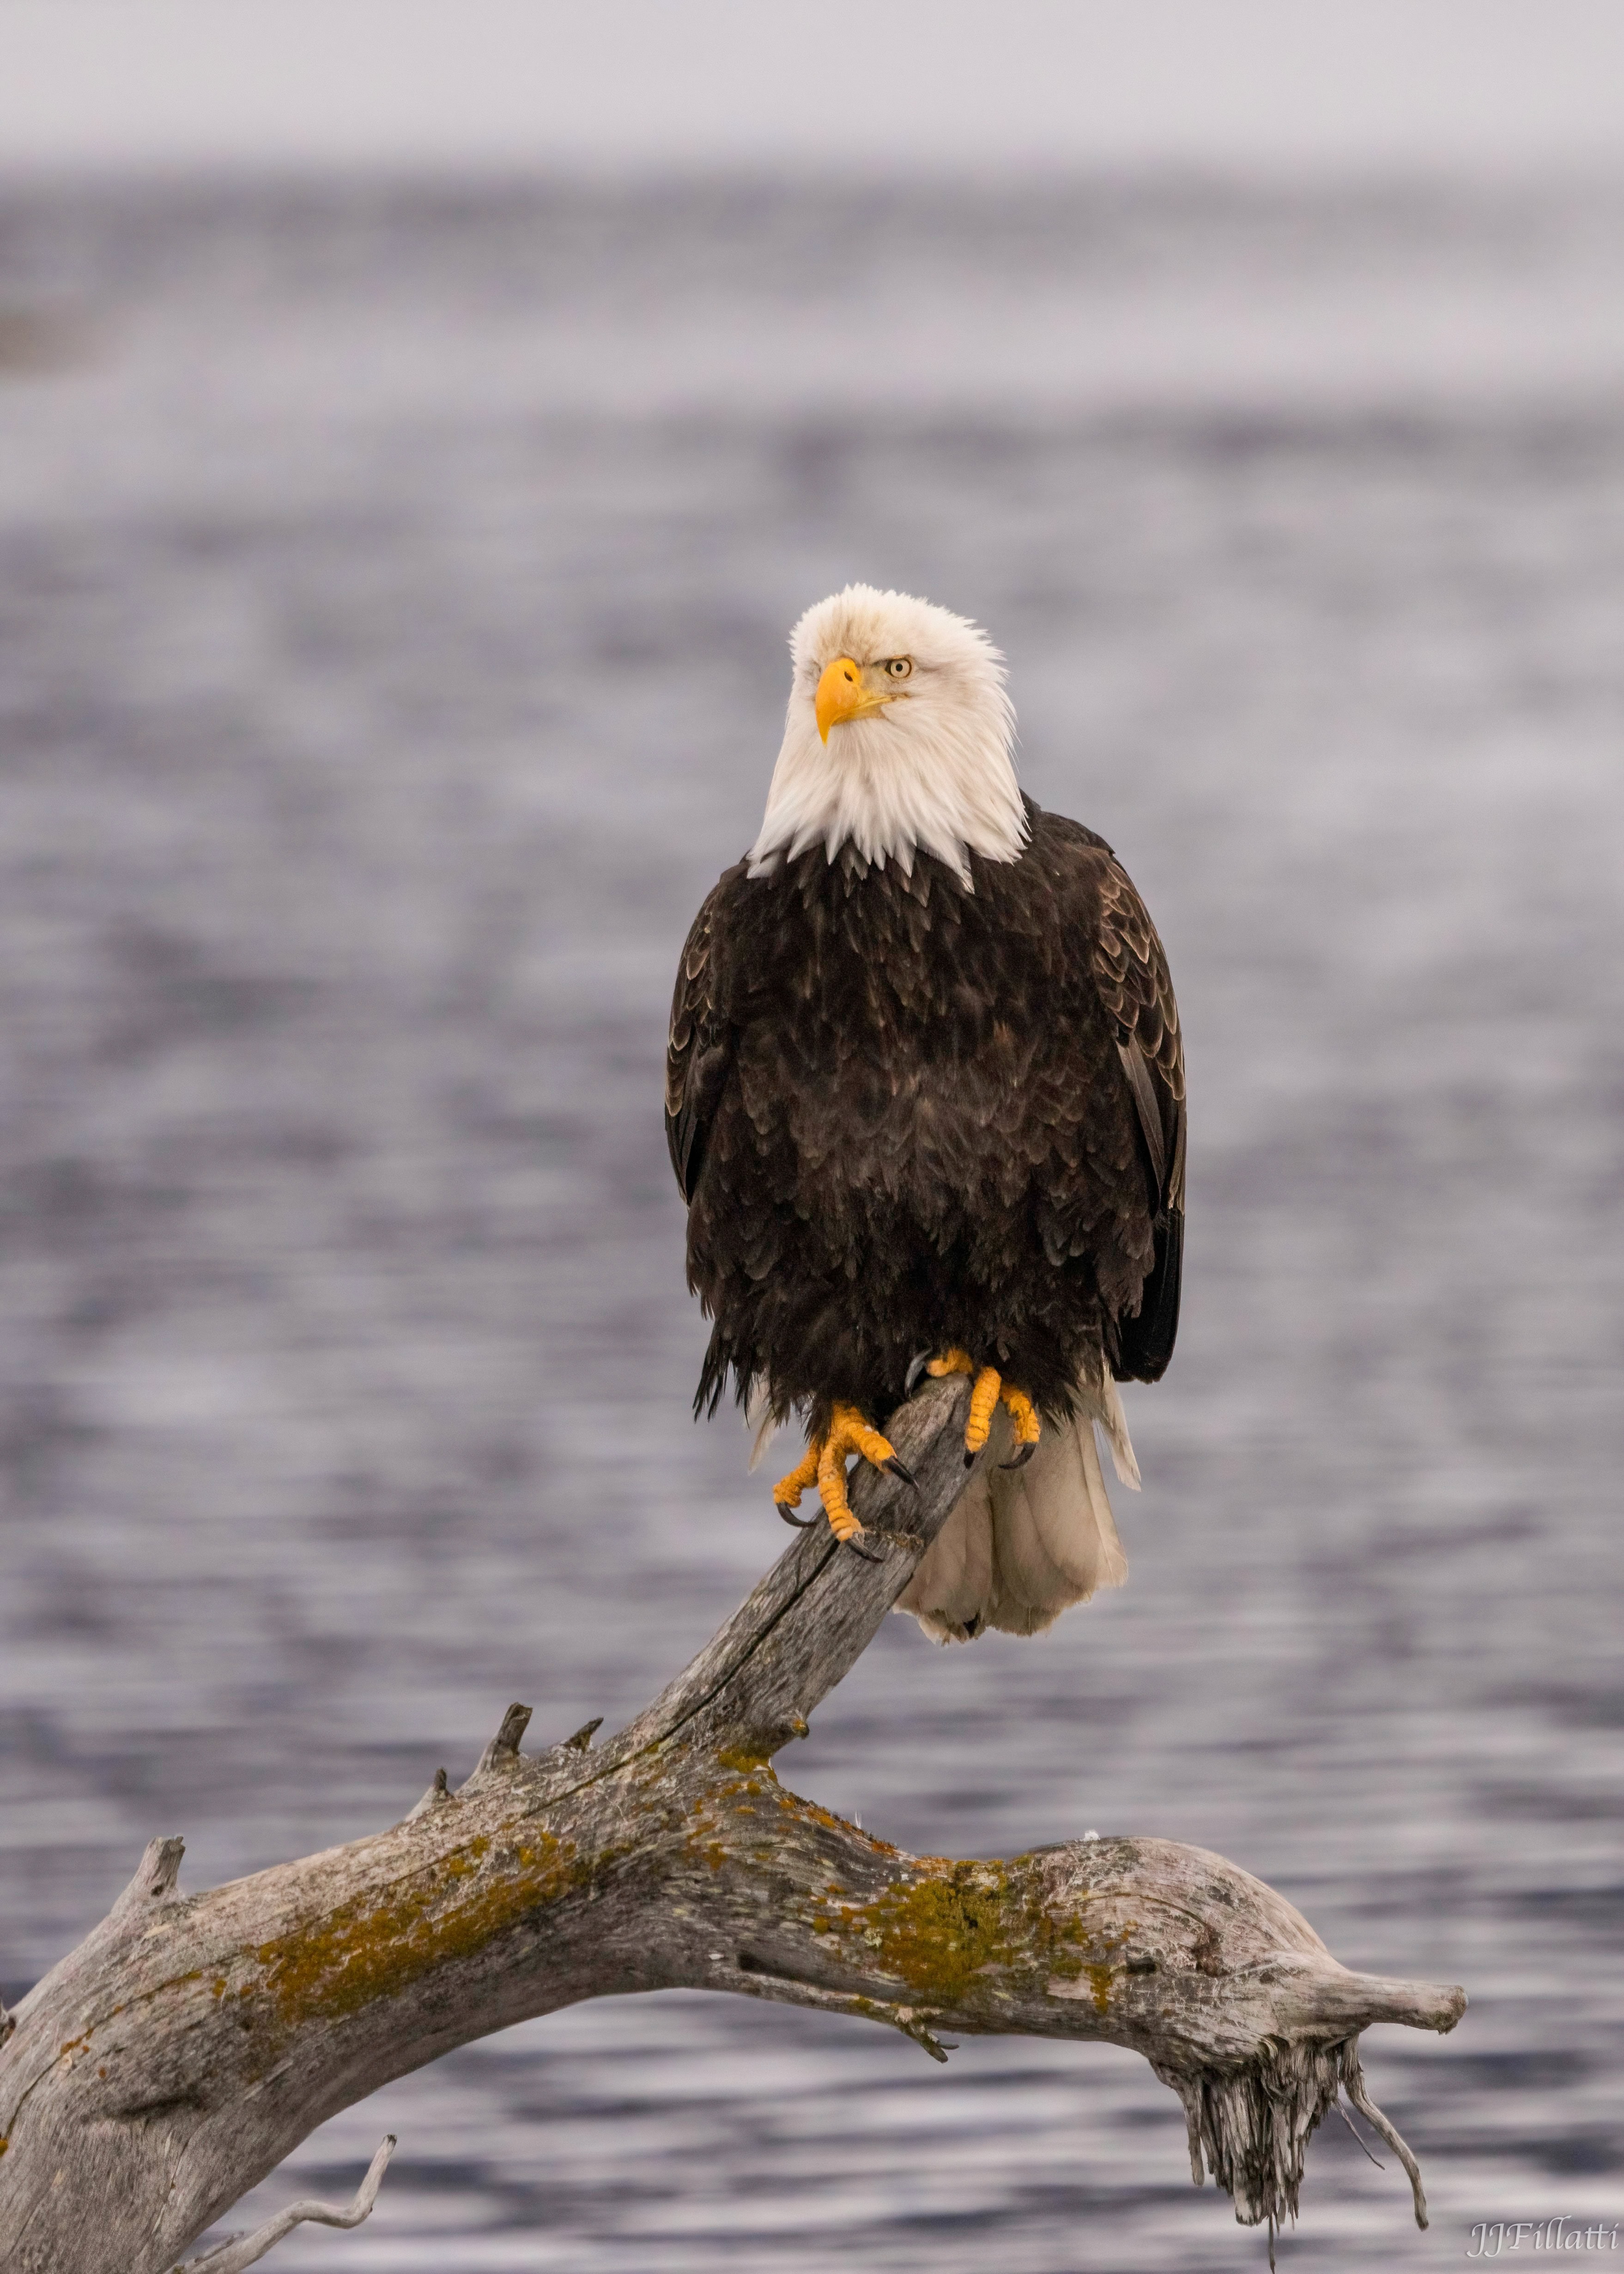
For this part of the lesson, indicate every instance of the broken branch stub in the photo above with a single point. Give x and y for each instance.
(193, 2040)
(239, 2251)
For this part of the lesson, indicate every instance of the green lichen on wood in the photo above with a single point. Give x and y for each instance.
(936, 1933)
(949, 1933)
(453, 1906)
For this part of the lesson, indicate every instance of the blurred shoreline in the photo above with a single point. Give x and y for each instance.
(1106, 296)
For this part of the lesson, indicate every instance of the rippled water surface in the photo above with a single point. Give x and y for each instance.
(393, 593)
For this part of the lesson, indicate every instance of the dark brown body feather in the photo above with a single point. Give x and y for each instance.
(907, 1116)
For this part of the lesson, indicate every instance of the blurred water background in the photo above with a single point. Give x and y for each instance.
(393, 584)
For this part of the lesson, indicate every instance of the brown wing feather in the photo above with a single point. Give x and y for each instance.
(1131, 971)
(697, 1050)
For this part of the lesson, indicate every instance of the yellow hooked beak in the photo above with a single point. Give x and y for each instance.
(845, 691)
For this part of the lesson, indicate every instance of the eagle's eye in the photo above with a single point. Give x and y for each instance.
(899, 666)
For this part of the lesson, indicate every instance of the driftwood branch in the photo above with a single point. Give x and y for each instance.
(190, 2042)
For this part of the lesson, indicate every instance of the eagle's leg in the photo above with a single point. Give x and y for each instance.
(848, 1433)
(990, 1389)
(824, 1464)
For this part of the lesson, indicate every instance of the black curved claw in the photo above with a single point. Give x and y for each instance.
(916, 1367)
(900, 1468)
(850, 1541)
(795, 1522)
(1022, 1456)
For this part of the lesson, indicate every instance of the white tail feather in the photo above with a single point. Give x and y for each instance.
(1114, 1421)
(760, 1417)
(950, 1592)
(1023, 1545)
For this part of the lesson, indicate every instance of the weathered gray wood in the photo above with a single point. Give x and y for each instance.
(815, 1613)
(192, 2041)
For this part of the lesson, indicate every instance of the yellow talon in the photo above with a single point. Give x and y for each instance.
(1023, 1413)
(876, 1449)
(953, 1361)
(787, 1491)
(983, 1397)
(848, 1433)
(832, 1488)
(824, 1464)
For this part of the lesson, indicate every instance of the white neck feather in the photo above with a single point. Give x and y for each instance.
(934, 773)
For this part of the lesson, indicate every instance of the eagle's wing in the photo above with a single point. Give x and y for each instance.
(698, 1048)
(1131, 972)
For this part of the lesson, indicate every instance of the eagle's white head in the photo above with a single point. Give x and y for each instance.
(899, 738)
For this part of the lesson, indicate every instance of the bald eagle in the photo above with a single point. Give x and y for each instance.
(925, 1101)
